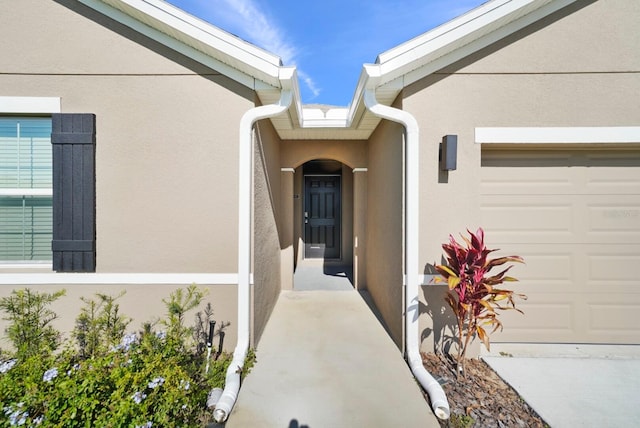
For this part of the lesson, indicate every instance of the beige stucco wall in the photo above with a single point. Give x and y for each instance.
(352, 153)
(142, 303)
(384, 235)
(570, 70)
(166, 153)
(266, 240)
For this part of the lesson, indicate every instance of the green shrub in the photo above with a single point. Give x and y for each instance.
(99, 325)
(147, 378)
(29, 316)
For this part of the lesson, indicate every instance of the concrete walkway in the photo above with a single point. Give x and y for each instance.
(324, 360)
(320, 275)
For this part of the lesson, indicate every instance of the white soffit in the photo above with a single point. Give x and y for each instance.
(330, 117)
(559, 135)
(194, 38)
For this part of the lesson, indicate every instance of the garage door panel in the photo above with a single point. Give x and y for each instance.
(563, 268)
(541, 321)
(553, 219)
(531, 183)
(616, 269)
(610, 186)
(574, 215)
(566, 319)
(612, 319)
(613, 220)
(533, 219)
(550, 271)
(614, 173)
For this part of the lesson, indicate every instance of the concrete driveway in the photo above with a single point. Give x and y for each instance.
(574, 385)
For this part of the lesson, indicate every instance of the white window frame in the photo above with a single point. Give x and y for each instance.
(559, 135)
(28, 105)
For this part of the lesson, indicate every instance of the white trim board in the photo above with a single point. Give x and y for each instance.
(26, 192)
(118, 278)
(556, 135)
(31, 105)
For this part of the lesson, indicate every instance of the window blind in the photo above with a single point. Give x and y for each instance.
(25, 164)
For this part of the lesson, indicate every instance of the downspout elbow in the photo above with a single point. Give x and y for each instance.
(232, 380)
(439, 402)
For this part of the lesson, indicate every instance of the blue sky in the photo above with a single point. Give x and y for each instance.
(327, 40)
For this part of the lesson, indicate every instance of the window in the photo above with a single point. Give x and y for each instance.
(47, 185)
(25, 189)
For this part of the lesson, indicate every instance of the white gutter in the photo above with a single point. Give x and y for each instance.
(245, 172)
(438, 399)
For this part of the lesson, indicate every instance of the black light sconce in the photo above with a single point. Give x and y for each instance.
(448, 152)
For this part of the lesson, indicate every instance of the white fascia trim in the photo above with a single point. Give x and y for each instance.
(116, 278)
(206, 33)
(30, 105)
(360, 170)
(478, 15)
(26, 192)
(287, 170)
(462, 37)
(559, 135)
(179, 46)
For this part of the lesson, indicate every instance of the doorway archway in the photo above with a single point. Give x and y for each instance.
(329, 178)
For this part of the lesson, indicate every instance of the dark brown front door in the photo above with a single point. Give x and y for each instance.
(322, 216)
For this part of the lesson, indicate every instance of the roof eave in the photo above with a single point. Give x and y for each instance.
(203, 42)
(432, 51)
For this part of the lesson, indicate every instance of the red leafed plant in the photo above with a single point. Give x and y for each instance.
(473, 294)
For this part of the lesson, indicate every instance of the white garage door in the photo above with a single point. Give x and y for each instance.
(575, 218)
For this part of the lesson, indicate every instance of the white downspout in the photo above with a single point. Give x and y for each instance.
(438, 399)
(245, 172)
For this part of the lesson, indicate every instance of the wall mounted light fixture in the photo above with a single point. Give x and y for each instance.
(448, 152)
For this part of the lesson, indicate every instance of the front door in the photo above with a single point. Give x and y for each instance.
(322, 216)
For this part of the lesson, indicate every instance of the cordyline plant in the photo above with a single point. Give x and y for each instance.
(473, 294)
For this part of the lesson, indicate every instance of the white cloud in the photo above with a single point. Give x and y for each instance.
(258, 29)
(310, 83)
(245, 18)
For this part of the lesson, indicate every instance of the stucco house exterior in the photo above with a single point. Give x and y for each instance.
(182, 154)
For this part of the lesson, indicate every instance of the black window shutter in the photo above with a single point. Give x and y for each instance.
(73, 140)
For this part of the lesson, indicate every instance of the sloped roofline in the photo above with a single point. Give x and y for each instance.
(417, 58)
(195, 38)
(463, 35)
(393, 70)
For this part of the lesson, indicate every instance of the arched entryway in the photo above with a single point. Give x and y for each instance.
(324, 250)
(324, 209)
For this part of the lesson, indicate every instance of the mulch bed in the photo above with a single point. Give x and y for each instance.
(481, 398)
